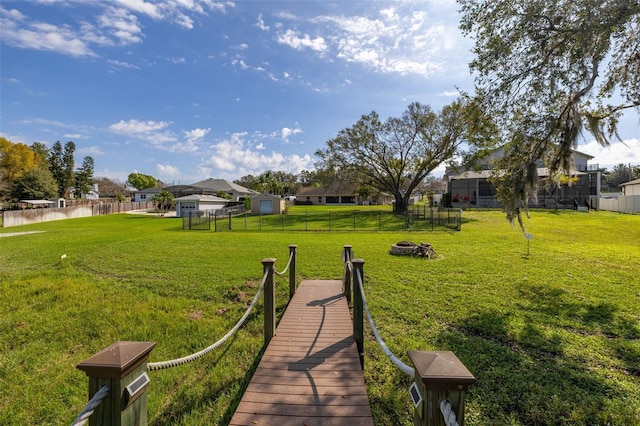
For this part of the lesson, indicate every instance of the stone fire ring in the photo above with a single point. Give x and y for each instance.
(402, 248)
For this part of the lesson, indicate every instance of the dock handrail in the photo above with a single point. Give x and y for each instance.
(439, 387)
(128, 380)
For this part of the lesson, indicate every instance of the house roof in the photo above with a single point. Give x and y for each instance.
(267, 196)
(149, 191)
(632, 182)
(334, 188)
(222, 185)
(200, 197)
(38, 202)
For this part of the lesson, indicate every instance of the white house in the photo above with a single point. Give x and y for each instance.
(146, 194)
(92, 194)
(198, 202)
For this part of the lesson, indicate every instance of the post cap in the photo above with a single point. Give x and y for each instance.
(441, 370)
(116, 360)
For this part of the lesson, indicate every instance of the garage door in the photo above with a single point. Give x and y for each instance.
(266, 206)
(185, 208)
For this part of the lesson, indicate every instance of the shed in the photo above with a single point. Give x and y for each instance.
(198, 202)
(267, 204)
(631, 187)
(38, 203)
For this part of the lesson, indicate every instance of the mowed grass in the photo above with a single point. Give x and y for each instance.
(550, 331)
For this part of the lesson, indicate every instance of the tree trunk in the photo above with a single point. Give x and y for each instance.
(400, 205)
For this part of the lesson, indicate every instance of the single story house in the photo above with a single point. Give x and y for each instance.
(339, 194)
(146, 194)
(474, 186)
(267, 204)
(198, 203)
(213, 187)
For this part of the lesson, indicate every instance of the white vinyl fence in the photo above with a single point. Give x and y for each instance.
(29, 216)
(623, 204)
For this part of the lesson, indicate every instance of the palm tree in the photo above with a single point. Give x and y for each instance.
(163, 201)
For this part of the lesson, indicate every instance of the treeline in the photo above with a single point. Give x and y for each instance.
(620, 173)
(283, 183)
(32, 172)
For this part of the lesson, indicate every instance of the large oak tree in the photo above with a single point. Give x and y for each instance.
(546, 70)
(396, 155)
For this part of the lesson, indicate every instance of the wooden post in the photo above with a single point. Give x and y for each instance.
(123, 367)
(293, 250)
(439, 376)
(269, 301)
(358, 308)
(346, 280)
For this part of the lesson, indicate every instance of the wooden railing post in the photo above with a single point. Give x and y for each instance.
(440, 376)
(293, 251)
(269, 301)
(346, 280)
(123, 367)
(358, 308)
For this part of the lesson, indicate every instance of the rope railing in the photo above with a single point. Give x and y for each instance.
(394, 359)
(153, 366)
(440, 380)
(448, 415)
(286, 268)
(93, 403)
(124, 364)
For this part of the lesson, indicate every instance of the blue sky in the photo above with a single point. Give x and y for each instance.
(185, 90)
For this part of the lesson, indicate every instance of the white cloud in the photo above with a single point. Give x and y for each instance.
(235, 157)
(156, 133)
(136, 127)
(121, 64)
(449, 93)
(17, 31)
(90, 151)
(116, 24)
(614, 154)
(167, 170)
(402, 39)
(141, 6)
(183, 20)
(122, 25)
(286, 132)
(292, 39)
(260, 24)
(196, 134)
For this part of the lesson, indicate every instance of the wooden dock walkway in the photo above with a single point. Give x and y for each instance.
(310, 373)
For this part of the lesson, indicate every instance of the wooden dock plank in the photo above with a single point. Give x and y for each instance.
(310, 373)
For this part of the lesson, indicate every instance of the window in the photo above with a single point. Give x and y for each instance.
(143, 196)
(486, 189)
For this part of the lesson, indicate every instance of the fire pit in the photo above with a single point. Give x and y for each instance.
(408, 248)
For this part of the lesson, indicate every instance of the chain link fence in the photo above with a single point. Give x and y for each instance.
(417, 218)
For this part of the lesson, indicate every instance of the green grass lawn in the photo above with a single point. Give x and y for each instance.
(552, 336)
